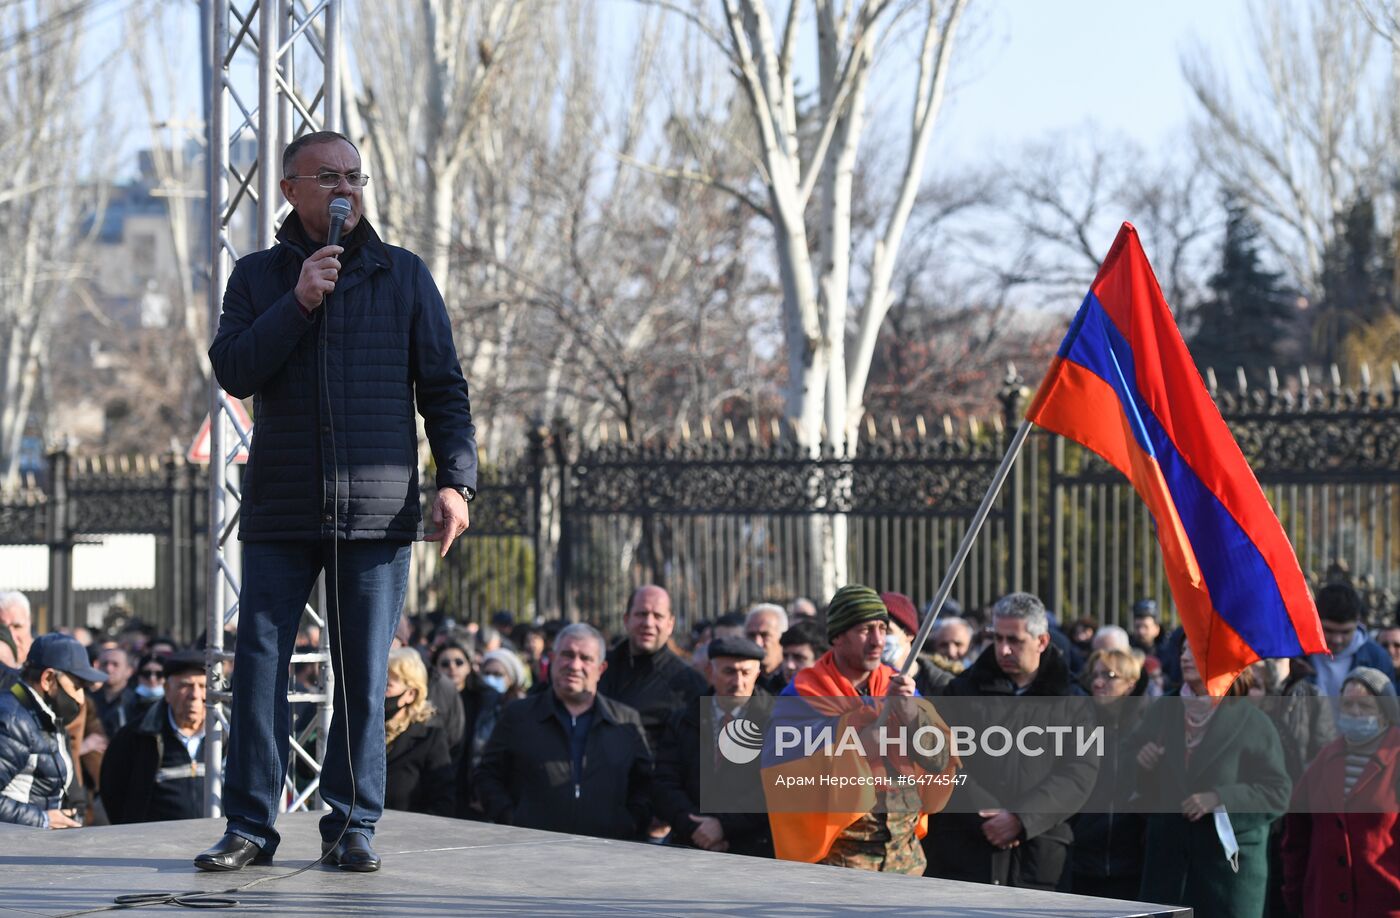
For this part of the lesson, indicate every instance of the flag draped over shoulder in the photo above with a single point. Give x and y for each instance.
(806, 819)
(1124, 385)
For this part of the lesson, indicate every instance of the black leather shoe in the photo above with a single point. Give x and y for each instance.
(353, 853)
(232, 852)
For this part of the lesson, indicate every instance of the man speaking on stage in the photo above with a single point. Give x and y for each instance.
(335, 335)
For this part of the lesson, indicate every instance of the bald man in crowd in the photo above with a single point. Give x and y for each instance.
(643, 672)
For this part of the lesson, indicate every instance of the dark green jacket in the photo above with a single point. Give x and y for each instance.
(1240, 759)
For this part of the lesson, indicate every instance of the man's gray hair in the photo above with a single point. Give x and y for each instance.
(585, 631)
(1025, 606)
(289, 155)
(948, 621)
(1111, 637)
(15, 599)
(770, 609)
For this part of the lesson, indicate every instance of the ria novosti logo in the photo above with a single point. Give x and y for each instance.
(741, 741)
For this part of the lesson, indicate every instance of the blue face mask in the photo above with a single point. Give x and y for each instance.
(1358, 730)
(495, 681)
(149, 692)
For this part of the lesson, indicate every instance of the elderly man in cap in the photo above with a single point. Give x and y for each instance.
(685, 765)
(36, 768)
(847, 681)
(154, 768)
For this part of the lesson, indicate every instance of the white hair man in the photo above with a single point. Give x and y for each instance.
(1111, 637)
(765, 625)
(17, 621)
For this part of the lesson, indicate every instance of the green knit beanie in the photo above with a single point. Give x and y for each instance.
(853, 605)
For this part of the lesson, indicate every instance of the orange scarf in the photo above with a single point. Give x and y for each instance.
(808, 836)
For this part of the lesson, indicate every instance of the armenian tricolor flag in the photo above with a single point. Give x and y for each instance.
(1124, 385)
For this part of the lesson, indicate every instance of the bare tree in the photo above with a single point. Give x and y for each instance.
(579, 285)
(178, 180)
(1065, 198)
(806, 166)
(426, 69)
(1313, 135)
(44, 143)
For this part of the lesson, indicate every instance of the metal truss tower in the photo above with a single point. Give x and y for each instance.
(288, 51)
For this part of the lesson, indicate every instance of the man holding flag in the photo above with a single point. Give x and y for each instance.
(846, 683)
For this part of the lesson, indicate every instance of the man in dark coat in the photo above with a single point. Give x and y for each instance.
(569, 760)
(154, 767)
(36, 767)
(1148, 634)
(116, 701)
(337, 345)
(685, 765)
(765, 624)
(642, 672)
(1012, 825)
(803, 645)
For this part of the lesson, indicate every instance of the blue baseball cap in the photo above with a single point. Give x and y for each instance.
(65, 654)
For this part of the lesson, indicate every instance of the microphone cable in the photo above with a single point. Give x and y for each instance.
(225, 898)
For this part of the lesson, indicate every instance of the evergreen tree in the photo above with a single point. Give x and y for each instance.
(1249, 317)
(1357, 283)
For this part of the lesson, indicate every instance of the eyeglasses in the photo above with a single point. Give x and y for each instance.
(152, 674)
(332, 179)
(445, 662)
(1107, 677)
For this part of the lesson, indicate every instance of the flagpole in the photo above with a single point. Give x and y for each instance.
(935, 607)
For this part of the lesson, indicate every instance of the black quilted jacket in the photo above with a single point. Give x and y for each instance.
(34, 765)
(333, 393)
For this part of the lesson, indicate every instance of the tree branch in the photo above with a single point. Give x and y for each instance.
(699, 178)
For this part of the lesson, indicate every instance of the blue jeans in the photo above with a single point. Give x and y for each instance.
(277, 580)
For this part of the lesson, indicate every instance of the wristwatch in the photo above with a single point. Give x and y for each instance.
(466, 492)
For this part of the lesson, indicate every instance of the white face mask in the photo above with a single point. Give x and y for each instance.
(893, 650)
(495, 681)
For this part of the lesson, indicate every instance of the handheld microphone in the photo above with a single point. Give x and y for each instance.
(340, 210)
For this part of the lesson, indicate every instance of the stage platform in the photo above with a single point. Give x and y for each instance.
(446, 867)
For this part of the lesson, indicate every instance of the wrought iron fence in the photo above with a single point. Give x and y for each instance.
(727, 520)
(80, 499)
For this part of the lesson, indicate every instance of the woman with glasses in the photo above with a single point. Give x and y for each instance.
(150, 684)
(454, 663)
(1106, 859)
(452, 660)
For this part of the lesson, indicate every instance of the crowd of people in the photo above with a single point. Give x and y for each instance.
(552, 725)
